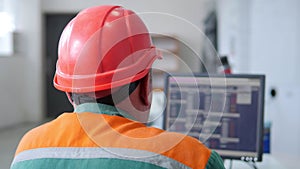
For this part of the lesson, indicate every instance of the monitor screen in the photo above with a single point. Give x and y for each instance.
(225, 112)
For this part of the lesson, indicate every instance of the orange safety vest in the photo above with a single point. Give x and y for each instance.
(90, 139)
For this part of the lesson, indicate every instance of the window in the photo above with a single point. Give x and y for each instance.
(6, 33)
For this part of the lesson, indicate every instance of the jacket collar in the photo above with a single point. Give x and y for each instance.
(102, 109)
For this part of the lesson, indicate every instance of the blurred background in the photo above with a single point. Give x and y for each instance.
(257, 36)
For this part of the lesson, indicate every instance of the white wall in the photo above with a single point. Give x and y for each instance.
(11, 80)
(11, 98)
(275, 52)
(20, 78)
(267, 39)
(31, 43)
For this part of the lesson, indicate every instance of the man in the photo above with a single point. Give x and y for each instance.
(105, 56)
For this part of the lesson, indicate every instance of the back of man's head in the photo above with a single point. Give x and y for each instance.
(104, 54)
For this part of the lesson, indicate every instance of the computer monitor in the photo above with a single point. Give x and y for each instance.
(225, 112)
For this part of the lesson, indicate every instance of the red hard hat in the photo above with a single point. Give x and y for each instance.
(102, 48)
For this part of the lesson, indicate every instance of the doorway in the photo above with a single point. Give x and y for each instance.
(56, 101)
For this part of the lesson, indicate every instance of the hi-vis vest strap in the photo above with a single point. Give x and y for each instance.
(90, 140)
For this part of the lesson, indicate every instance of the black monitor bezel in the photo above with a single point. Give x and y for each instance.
(261, 77)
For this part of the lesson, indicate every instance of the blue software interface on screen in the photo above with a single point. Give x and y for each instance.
(224, 113)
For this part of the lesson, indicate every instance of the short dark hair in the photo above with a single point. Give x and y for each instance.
(111, 99)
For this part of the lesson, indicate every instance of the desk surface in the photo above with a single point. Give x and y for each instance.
(269, 162)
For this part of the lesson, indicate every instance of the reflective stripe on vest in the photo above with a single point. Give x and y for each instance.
(100, 154)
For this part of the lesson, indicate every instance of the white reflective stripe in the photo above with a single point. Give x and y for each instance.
(92, 152)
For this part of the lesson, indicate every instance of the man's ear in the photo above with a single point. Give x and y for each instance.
(145, 89)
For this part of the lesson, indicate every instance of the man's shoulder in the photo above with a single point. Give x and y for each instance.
(51, 125)
(38, 135)
(195, 150)
(190, 143)
(182, 138)
(183, 148)
(174, 141)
